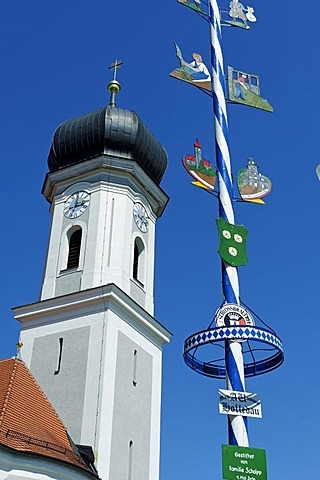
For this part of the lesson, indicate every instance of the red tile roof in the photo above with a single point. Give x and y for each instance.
(28, 422)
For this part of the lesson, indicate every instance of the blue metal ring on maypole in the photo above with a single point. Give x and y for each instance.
(214, 335)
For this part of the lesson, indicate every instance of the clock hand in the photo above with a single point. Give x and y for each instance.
(80, 202)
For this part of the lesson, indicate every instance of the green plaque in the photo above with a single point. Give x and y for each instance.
(243, 463)
(232, 243)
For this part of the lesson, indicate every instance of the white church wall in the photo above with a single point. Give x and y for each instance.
(100, 322)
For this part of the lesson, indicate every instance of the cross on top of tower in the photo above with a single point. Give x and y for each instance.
(114, 86)
(114, 66)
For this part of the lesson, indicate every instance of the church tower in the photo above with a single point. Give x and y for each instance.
(91, 341)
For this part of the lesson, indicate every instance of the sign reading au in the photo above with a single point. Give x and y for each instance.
(239, 403)
(243, 463)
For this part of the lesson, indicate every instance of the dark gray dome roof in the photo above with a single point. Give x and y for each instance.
(107, 131)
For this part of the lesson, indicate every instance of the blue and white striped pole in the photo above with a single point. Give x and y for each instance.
(237, 425)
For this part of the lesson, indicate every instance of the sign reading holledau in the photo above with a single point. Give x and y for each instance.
(239, 403)
(243, 463)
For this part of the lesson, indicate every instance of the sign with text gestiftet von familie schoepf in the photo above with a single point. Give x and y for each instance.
(243, 463)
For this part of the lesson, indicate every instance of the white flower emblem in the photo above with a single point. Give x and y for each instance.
(226, 234)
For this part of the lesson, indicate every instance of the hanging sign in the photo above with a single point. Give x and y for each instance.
(243, 463)
(232, 243)
(200, 169)
(245, 88)
(239, 403)
(252, 185)
(194, 72)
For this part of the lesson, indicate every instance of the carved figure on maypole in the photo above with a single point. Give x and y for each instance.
(239, 14)
(253, 185)
(236, 12)
(200, 169)
(194, 72)
(245, 88)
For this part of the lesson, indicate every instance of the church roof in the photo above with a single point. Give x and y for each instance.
(28, 422)
(108, 131)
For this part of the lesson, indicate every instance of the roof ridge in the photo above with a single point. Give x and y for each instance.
(10, 384)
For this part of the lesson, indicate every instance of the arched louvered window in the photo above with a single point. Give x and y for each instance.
(74, 249)
(138, 271)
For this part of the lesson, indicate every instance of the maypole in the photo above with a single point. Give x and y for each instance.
(237, 425)
(235, 327)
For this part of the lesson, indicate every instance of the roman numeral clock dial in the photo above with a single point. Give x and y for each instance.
(76, 204)
(141, 217)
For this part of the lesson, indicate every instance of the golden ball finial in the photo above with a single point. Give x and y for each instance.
(114, 86)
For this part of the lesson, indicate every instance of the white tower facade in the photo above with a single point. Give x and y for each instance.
(91, 340)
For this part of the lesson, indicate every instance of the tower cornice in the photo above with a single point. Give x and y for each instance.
(107, 166)
(91, 301)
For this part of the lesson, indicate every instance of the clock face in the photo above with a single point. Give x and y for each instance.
(76, 204)
(140, 217)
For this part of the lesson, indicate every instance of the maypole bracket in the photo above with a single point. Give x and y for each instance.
(273, 357)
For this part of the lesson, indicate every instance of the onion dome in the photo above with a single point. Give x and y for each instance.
(107, 131)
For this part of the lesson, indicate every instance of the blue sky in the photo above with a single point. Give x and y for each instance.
(55, 58)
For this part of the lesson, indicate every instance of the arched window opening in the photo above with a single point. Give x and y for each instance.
(138, 261)
(74, 249)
